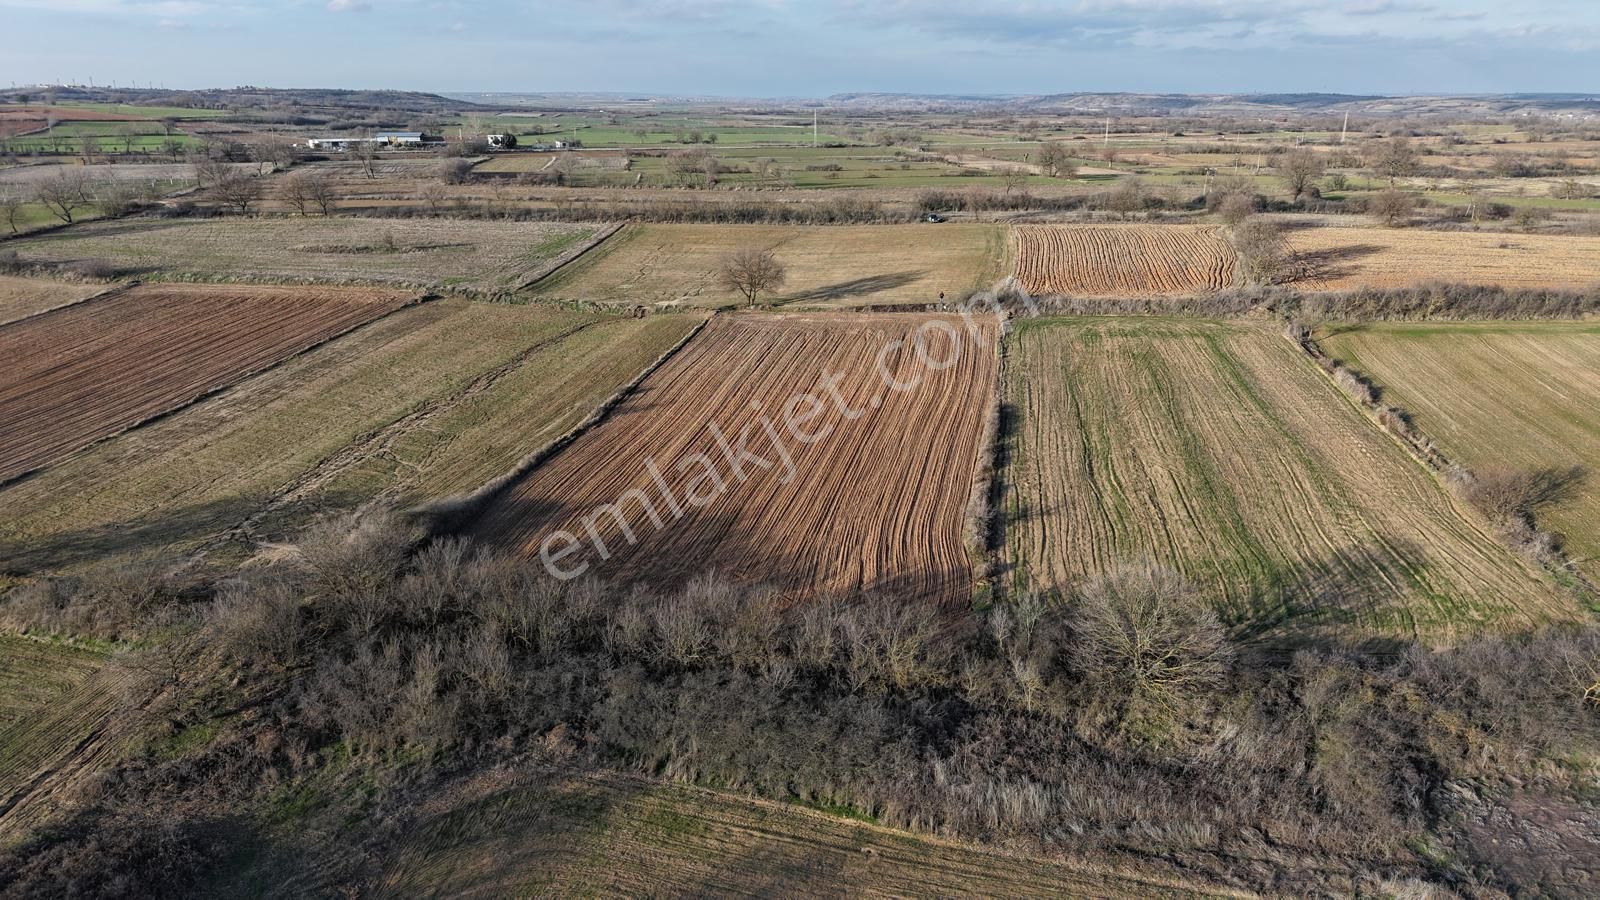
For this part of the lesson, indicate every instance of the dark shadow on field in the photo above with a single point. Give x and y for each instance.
(1321, 603)
(100, 228)
(146, 533)
(701, 543)
(1334, 262)
(856, 287)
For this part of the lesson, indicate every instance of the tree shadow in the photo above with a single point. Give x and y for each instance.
(1334, 262)
(857, 287)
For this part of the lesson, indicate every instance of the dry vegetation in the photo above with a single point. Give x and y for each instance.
(90, 370)
(1215, 448)
(23, 297)
(510, 834)
(875, 505)
(432, 400)
(1349, 258)
(827, 266)
(1524, 397)
(1122, 260)
(478, 256)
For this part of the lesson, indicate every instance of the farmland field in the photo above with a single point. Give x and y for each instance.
(827, 265)
(433, 399)
(1346, 258)
(489, 257)
(1122, 260)
(1518, 395)
(1217, 449)
(90, 370)
(535, 836)
(54, 705)
(876, 504)
(22, 297)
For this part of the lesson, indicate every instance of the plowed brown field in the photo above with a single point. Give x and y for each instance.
(23, 297)
(86, 371)
(876, 503)
(1122, 260)
(1217, 449)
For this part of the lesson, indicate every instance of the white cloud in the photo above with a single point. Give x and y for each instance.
(340, 6)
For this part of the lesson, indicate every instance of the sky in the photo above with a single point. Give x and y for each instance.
(812, 48)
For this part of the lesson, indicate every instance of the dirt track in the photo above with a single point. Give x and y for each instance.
(1122, 260)
(878, 503)
(87, 371)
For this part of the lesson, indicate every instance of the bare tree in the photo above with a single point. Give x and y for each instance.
(89, 149)
(322, 191)
(1056, 161)
(239, 189)
(11, 208)
(209, 171)
(1127, 198)
(1394, 207)
(455, 171)
(63, 192)
(1143, 635)
(129, 134)
(366, 154)
(1235, 208)
(297, 190)
(434, 193)
(1300, 169)
(1263, 254)
(1394, 159)
(118, 196)
(752, 272)
(1014, 178)
(172, 147)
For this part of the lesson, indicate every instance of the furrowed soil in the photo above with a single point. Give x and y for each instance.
(443, 254)
(87, 371)
(1338, 259)
(828, 265)
(419, 404)
(616, 836)
(1218, 449)
(1122, 260)
(1523, 396)
(23, 297)
(876, 502)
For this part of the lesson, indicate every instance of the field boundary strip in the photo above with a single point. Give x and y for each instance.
(187, 402)
(448, 513)
(550, 271)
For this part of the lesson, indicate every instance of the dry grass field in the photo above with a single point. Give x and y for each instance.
(828, 266)
(876, 504)
(90, 370)
(1347, 258)
(428, 401)
(1122, 260)
(54, 704)
(23, 297)
(442, 254)
(1519, 395)
(1218, 449)
(615, 836)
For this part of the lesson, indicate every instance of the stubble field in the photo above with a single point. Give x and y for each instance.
(443, 254)
(90, 370)
(1122, 260)
(828, 266)
(1218, 449)
(1524, 396)
(876, 503)
(1338, 259)
(23, 297)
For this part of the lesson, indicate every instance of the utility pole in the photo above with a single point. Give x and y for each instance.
(813, 128)
(1108, 131)
(1346, 129)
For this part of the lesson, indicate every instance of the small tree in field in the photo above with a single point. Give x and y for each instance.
(1392, 206)
(11, 209)
(1056, 161)
(1299, 169)
(1263, 253)
(239, 189)
(752, 272)
(63, 193)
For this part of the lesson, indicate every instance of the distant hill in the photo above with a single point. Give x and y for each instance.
(251, 98)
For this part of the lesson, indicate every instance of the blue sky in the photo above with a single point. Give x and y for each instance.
(815, 47)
